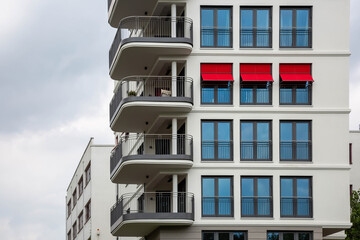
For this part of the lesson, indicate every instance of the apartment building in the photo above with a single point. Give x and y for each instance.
(90, 195)
(231, 119)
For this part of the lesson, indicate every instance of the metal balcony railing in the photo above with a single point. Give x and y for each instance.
(151, 86)
(218, 206)
(296, 37)
(216, 36)
(256, 206)
(151, 146)
(256, 150)
(217, 150)
(256, 37)
(296, 150)
(155, 27)
(149, 205)
(296, 207)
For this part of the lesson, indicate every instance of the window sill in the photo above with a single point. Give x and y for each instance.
(256, 48)
(296, 105)
(256, 105)
(216, 217)
(296, 161)
(297, 48)
(217, 161)
(216, 105)
(256, 161)
(297, 218)
(258, 218)
(216, 48)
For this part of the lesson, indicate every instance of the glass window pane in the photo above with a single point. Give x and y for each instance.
(263, 187)
(208, 196)
(304, 236)
(238, 236)
(224, 187)
(263, 34)
(247, 94)
(224, 94)
(286, 131)
(262, 94)
(302, 95)
(286, 144)
(302, 27)
(263, 137)
(263, 130)
(288, 236)
(223, 27)
(247, 197)
(287, 204)
(207, 95)
(286, 25)
(285, 95)
(303, 194)
(207, 27)
(247, 137)
(273, 236)
(247, 187)
(224, 236)
(302, 131)
(224, 137)
(287, 187)
(224, 196)
(246, 28)
(302, 144)
(208, 236)
(208, 145)
(208, 187)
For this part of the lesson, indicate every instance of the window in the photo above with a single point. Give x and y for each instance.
(289, 235)
(295, 27)
(88, 211)
(81, 186)
(216, 140)
(256, 196)
(224, 235)
(296, 84)
(295, 140)
(350, 153)
(69, 208)
(296, 196)
(256, 84)
(81, 221)
(255, 27)
(69, 235)
(74, 198)
(216, 83)
(217, 196)
(216, 27)
(88, 173)
(255, 142)
(74, 230)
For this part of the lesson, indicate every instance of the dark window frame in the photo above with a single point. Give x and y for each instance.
(74, 196)
(294, 26)
(350, 154)
(295, 232)
(88, 173)
(81, 221)
(216, 154)
(294, 178)
(69, 235)
(215, 8)
(69, 208)
(254, 86)
(254, 9)
(294, 86)
(294, 149)
(216, 190)
(255, 140)
(215, 85)
(216, 233)
(88, 211)
(81, 186)
(74, 229)
(255, 178)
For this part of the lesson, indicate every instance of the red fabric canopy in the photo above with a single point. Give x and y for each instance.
(296, 73)
(256, 72)
(216, 72)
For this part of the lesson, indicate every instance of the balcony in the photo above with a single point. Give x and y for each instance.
(295, 150)
(255, 37)
(135, 158)
(256, 150)
(140, 41)
(141, 213)
(141, 99)
(299, 207)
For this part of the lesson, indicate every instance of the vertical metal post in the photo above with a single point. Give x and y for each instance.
(173, 79)
(175, 193)
(173, 20)
(174, 136)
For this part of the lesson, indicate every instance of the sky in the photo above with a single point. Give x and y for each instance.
(54, 95)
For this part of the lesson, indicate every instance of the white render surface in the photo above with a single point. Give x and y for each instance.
(355, 167)
(100, 191)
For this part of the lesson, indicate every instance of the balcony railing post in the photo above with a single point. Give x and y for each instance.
(173, 20)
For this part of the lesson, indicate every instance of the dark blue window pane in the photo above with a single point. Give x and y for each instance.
(224, 95)
(224, 196)
(247, 140)
(246, 95)
(288, 236)
(287, 204)
(286, 25)
(207, 138)
(273, 236)
(223, 25)
(208, 196)
(263, 34)
(263, 193)
(263, 136)
(224, 144)
(208, 236)
(262, 95)
(302, 95)
(304, 236)
(302, 27)
(247, 31)
(286, 141)
(285, 95)
(207, 95)
(238, 236)
(207, 27)
(247, 191)
(224, 236)
(302, 143)
(303, 194)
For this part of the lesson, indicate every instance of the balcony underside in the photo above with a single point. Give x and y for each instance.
(141, 224)
(135, 169)
(136, 56)
(135, 113)
(123, 8)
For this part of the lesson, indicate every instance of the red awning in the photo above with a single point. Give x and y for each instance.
(296, 73)
(256, 72)
(216, 72)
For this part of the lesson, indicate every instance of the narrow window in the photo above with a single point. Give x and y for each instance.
(216, 27)
(74, 230)
(217, 197)
(255, 27)
(81, 221)
(350, 153)
(289, 235)
(74, 196)
(69, 208)
(81, 186)
(88, 211)
(88, 173)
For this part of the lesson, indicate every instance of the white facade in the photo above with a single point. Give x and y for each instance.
(355, 159)
(97, 190)
(328, 115)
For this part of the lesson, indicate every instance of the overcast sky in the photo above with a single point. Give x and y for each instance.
(54, 95)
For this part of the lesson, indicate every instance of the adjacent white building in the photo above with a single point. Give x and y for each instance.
(231, 118)
(354, 160)
(90, 195)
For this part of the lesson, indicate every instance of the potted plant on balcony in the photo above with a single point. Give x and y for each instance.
(131, 93)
